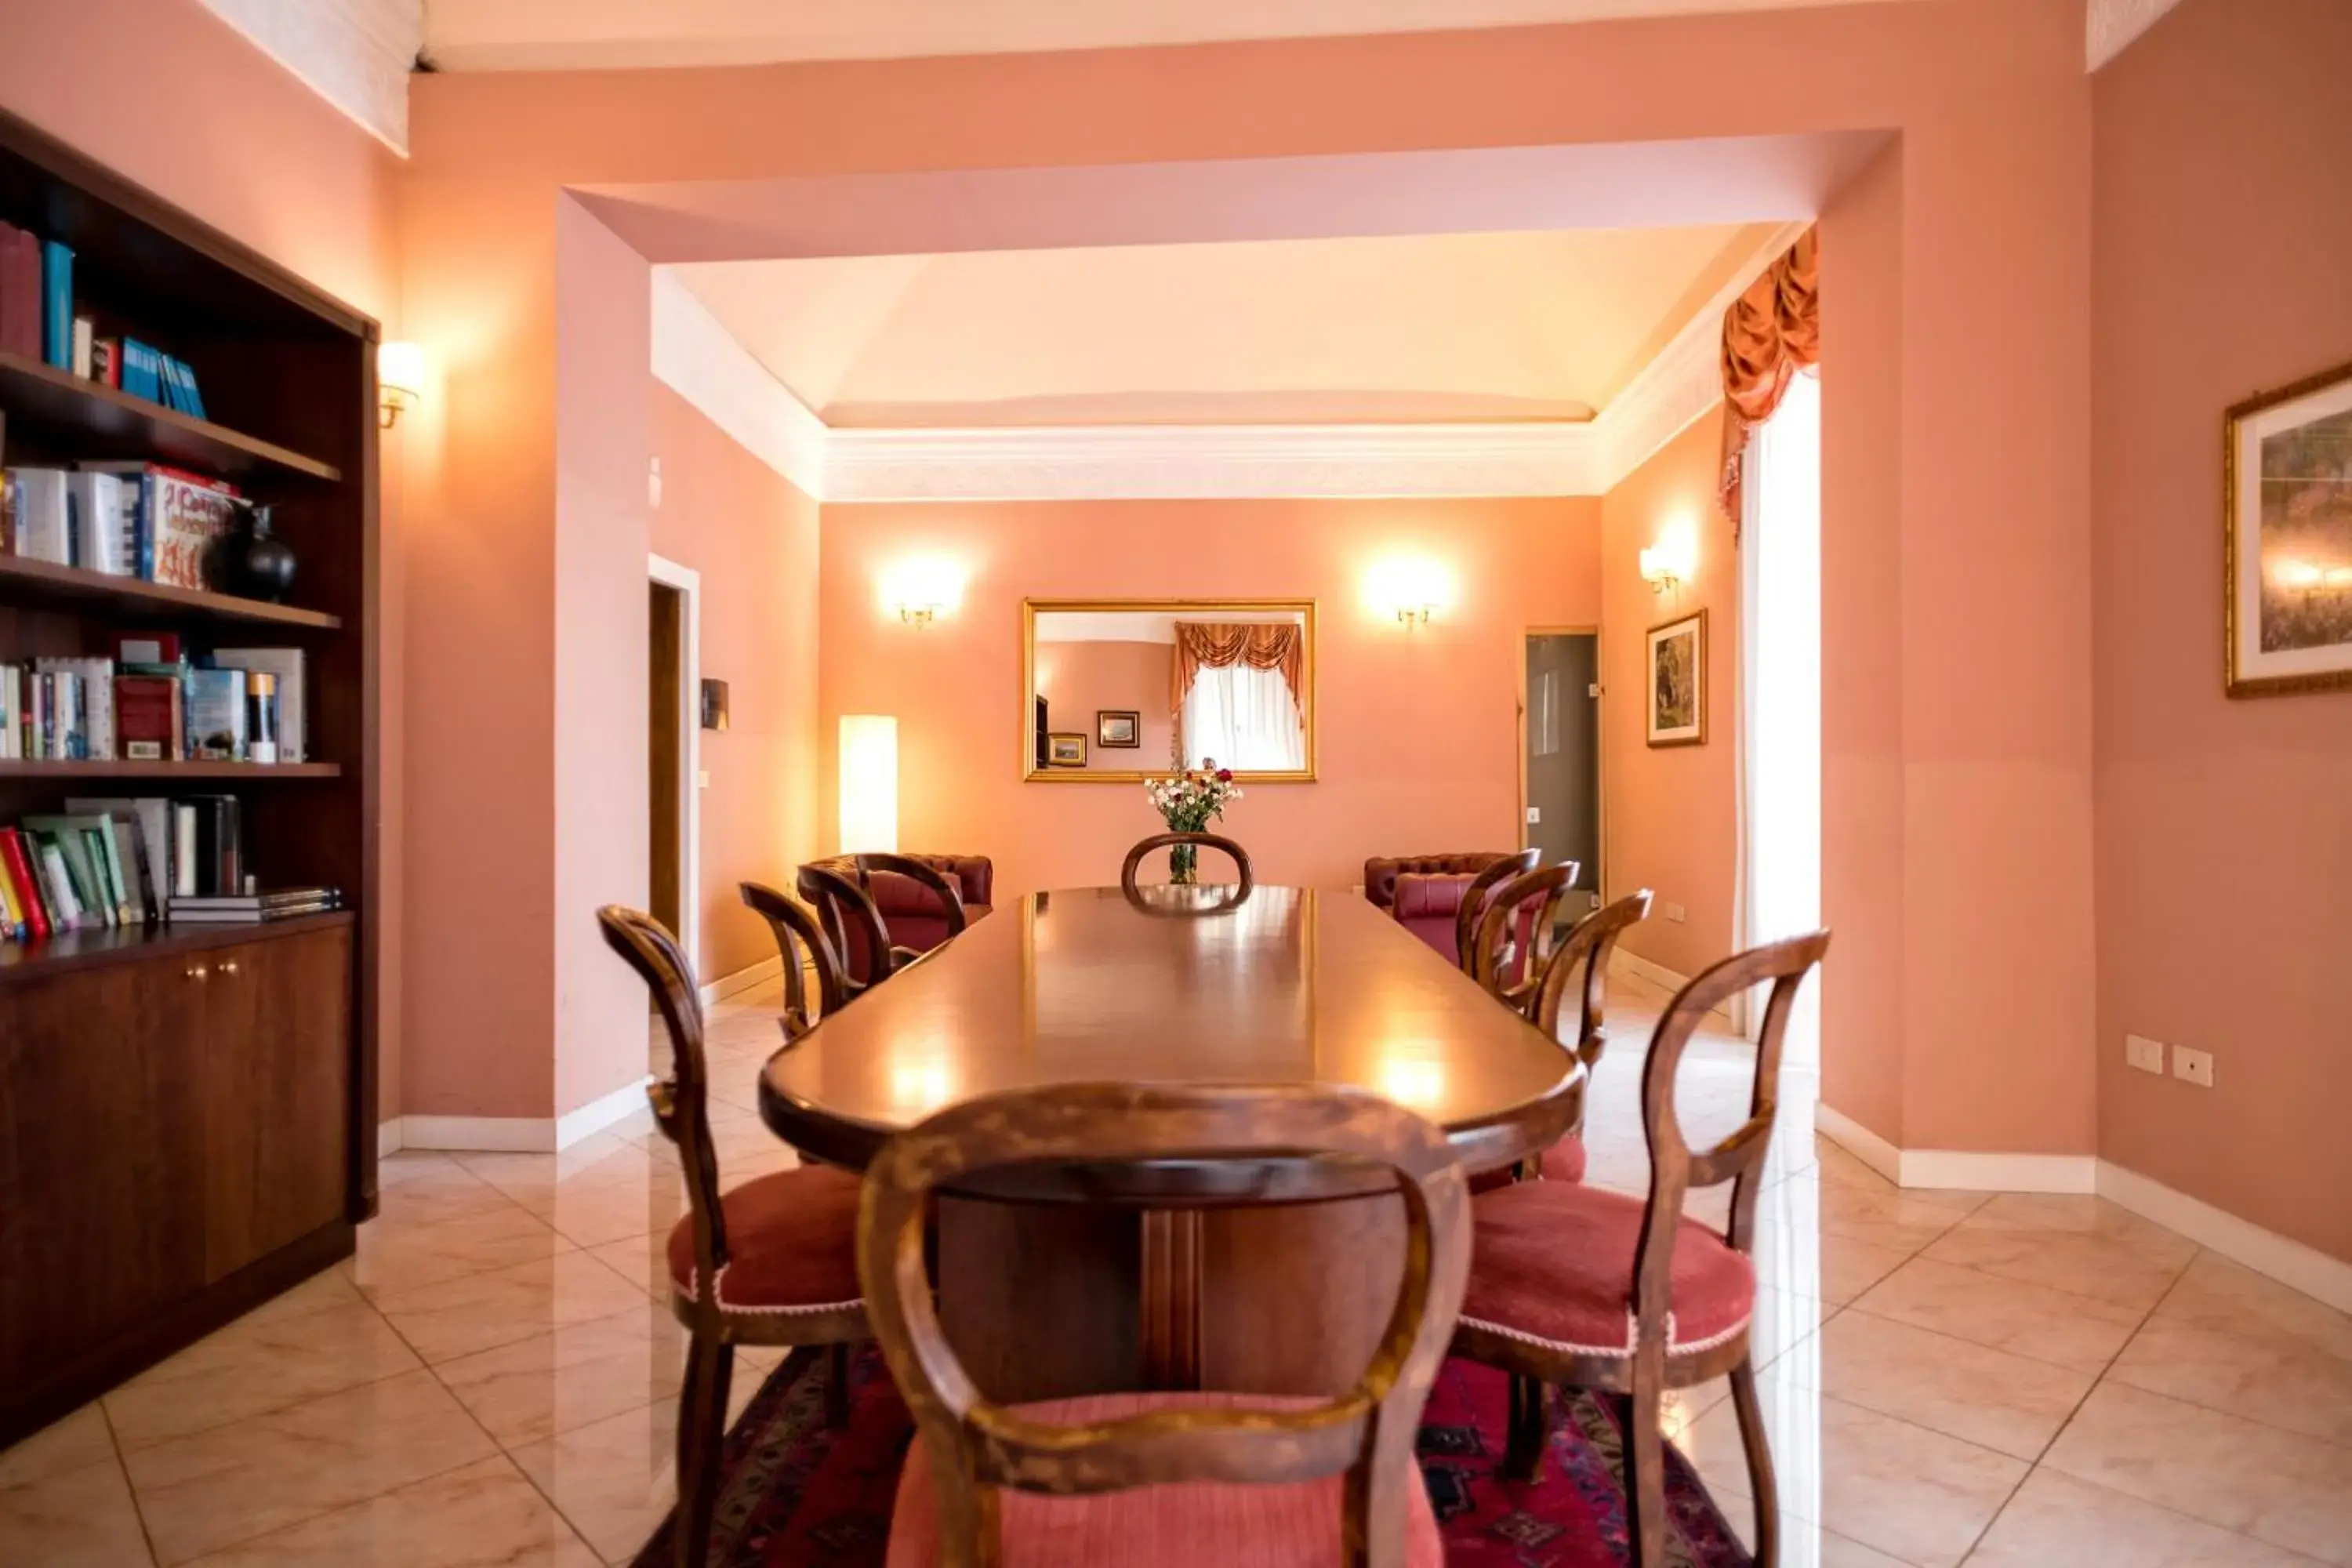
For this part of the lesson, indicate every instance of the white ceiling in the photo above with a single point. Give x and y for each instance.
(1487, 329)
(575, 35)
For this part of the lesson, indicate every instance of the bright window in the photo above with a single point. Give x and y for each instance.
(1245, 718)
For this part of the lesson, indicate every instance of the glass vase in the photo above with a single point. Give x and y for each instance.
(1184, 860)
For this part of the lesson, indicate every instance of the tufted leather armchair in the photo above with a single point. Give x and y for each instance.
(1425, 893)
(913, 917)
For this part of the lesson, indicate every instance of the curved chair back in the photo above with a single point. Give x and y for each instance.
(1482, 888)
(681, 1101)
(977, 1447)
(1168, 840)
(853, 921)
(796, 928)
(1512, 937)
(1675, 1166)
(947, 891)
(1584, 961)
(1381, 871)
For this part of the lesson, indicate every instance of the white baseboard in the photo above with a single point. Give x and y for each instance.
(1967, 1170)
(388, 1137)
(514, 1134)
(1623, 962)
(727, 985)
(2276, 1256)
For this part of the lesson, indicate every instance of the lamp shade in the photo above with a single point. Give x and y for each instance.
(400, 368)
(870, 784)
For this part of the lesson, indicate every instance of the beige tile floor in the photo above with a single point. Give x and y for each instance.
(1950, 1377)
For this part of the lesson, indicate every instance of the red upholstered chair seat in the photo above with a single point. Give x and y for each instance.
(1425, 904)
(1191, 1525)
(792, 1243)
(1553, 1262)
(1563, 1162)
(911, 913)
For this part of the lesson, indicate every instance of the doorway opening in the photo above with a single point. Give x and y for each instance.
(673, 744)
(1559, 756)
(1780, 687)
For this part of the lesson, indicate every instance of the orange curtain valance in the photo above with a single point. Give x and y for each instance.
(1213, 645)
(1770, 333)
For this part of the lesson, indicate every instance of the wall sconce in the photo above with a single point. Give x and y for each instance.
(1673, 561)
(870, 784)
(399, 380)
(921, 591)
(1410, 588)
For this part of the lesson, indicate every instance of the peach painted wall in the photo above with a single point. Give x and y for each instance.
(1670, 813)
(1418, 729)
(1079, 680)
(2225, 828)
(752, 535)
(1969, 850)
(271, 163)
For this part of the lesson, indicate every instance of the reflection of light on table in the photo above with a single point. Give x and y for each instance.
(919, 1087)
(1414, 1082)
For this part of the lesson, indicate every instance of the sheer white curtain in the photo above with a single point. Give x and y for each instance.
(1245, 718)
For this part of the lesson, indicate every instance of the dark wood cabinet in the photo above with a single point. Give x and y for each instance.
(170, 1127)
(187, 1113)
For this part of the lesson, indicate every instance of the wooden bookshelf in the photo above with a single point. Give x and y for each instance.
(95, 949)
(105, 422)
(24, 581)
(193, 772)
(239, 1062)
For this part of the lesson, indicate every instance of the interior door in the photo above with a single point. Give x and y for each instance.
(1563, 753)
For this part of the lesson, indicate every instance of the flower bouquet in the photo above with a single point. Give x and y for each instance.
(1188, 801)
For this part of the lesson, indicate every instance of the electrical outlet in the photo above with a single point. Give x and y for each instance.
(1674, 912)
(1535, 815)
(2145, 1054)
(2193, 1067)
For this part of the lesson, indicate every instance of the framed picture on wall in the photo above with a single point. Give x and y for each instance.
(1678, 681)
(1065, 751)
(2286, 579)
(1120, 727)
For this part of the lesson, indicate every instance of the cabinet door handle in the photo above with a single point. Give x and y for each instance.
(198, 973)
(228, 967)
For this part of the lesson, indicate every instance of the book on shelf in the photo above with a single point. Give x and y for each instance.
(152, 704)
(56, 303)
(105, 863)
(279, 719)
(20, 292)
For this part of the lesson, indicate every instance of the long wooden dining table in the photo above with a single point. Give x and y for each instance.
(1274, 1275)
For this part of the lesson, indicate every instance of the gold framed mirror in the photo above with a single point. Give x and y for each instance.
(1149, 686)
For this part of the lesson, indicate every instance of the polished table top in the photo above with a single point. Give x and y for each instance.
(1289, 985)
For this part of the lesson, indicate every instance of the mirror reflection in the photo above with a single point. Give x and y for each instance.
(1121, 688)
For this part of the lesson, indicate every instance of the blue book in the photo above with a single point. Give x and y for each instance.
(188, 384)
(138, 377)
(169, 369)
(56, 304)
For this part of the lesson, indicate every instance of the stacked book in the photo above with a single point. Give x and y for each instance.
(254, 908)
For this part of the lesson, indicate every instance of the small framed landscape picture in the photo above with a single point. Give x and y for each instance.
(2286, 580)
(1120, 727)
(1065, 751)
(1678, 681)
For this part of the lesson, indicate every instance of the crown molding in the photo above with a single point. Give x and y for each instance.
(701, 359)
(355, 54)
(696, 356)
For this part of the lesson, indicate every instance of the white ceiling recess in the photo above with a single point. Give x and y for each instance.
(602, 35)
(355, 54)
(2110, 25)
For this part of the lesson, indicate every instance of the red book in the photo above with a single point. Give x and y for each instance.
(147, 718)
(22, 278)
(19, 872)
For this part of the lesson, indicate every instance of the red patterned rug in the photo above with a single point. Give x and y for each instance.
(798, 1495)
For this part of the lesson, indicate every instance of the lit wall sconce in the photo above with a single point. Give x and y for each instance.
(870, 784)
(919, 592)
(399, 380)
(1411, 588)
(1673, 561)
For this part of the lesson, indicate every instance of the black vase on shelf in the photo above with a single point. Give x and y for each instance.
(256, 564)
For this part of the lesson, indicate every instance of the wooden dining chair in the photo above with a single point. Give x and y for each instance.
(1575, 1286)
(1169, 840)
(770, 1262)
(1482, 890)
(798, 931)
(1280, 1479)
(853, 920)
(1513, 938)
